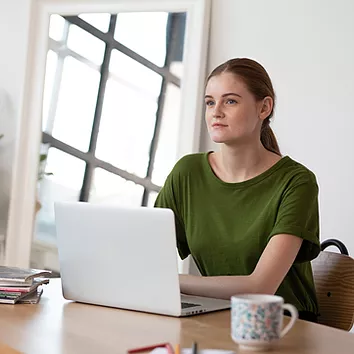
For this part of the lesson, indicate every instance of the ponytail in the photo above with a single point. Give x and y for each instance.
(268, 138)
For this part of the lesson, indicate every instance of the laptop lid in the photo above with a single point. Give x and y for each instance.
(117, 256)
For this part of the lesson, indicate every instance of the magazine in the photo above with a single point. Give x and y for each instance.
(13, 297)
(32, 298)
(23, 288)
(10, 276)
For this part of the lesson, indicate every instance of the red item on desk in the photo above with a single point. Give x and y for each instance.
(150, 347)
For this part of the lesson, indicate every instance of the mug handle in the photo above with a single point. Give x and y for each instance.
(294, 316)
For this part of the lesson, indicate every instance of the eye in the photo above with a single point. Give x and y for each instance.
(209, 103)
(230, 101)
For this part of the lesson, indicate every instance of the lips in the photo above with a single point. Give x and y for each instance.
(218, 125)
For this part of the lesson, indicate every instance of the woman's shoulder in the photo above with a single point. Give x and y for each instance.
(189, 163)
(299, 172)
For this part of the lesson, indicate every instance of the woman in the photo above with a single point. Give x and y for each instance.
(247, 215)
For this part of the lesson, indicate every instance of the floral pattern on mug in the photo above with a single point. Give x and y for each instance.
(256, 321)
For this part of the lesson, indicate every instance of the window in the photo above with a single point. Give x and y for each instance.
(111, 109)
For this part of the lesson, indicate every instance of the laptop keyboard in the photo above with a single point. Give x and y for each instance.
(186, 305)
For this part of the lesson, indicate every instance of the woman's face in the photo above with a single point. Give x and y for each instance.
(232, 113)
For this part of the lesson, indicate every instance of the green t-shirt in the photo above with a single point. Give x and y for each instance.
(226, 226)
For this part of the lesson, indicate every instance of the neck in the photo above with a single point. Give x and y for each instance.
(243, 162)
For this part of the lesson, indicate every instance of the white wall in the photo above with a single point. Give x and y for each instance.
(307, 48)
(14, 17)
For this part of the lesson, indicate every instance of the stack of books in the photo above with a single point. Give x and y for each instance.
(22, 286)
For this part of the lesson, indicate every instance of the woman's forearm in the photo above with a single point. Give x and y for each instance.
(271, 268)
(221, 287)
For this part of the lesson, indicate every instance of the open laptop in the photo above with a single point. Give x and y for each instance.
(123, 257)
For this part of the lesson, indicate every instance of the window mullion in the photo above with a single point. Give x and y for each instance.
(161, 102)
(89, 170)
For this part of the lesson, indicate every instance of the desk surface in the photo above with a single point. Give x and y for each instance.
(59, 326)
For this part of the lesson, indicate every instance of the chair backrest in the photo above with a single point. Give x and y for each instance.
(334, 281)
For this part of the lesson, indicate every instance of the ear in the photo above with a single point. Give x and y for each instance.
(266, 106)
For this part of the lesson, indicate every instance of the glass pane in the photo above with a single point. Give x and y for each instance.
(166, 152)
(52, 59)
(64, 185)
(176, 68)
(76, 104)
(56, 27)
(151, 199)
(135, 75)
(126, 128)
(85, 44)
(144, 33)
(100, 21)
(110, 188)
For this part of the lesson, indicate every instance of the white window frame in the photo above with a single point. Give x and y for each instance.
(20, 227)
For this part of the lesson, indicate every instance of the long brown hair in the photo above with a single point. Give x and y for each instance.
(260, 85)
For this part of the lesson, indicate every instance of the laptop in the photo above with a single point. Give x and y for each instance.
(123, 257)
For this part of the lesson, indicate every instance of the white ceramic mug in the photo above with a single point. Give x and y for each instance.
(257, 320)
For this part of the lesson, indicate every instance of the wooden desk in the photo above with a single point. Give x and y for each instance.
(59, 326)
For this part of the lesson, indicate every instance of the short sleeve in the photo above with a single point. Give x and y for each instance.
(298, 215)
(168, 198)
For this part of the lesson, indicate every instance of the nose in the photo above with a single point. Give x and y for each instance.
(218, 113)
